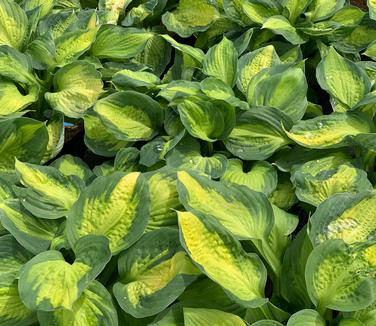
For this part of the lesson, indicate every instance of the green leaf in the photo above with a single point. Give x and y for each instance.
(98, 139)
(207, 120)
(116, 42)
(71, 165)
(128, 79)
(295, 8)
(340, 277)
(348, 87)
(217, 89)
(199, 317)
(315, 181)
(190, 17)
(307, 317)
(47, 282)
(13, 25)
(234, 10)
(187, 155)
(16, 66)
(23, 138)
(280, 25)
(258, 134)
(280, 87)
(346, 216)
(322, 9)
(34, 234)
(45, 6)
(191, 51)
(221, 62)
(12, 257)
(93, 306)
(77, 87)
(246, 213)
(70, 46)
(48, 193)
(371, 51)
(220, 256)
(42, 51)
(113, 8)
(12, 101)
(253, 62)
(261, 177)
(164, 199)
(372, 8)
(329, 131)
(260, 10)
(153, 273)
(56, 136)
(293, 284)
(130, 115)
(116, 206)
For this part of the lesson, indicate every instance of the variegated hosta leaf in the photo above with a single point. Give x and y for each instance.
(12, 101)
(23, 138)
(342, 79)
(221, 61)
(260, 10)
(12, 257)
(116, 206)
(6, 190)
(372, 8)
(156, 54)
(187, 155)
(268, 310)
(252, 63)
(42, 51)
(15, 65)
(366, 316)
(329, 131)
(164, 199)
(234, 10)
(217, 89)
(371, 51)
(261, 177)
(13, 24)
(246, 213)
(113, 9)
(130, 115)
(207, 120)
(306, 317)
(293, 285)
(77, 86)
(295, 8)
(98, 139)
(48, 193)
(267, 322)
(71, 45)
(346, 216)
(195, 53)
(220, 256)
(284, 195)
(280, 25)
(127, 79)
(45, 6)
(93, 307)
(341, 277)
(258, 133)
(71, 165)
(153, 274)
(317, 180)
(282, 88)
(191, 16)
(322, 9)
(146, 12)
(47, 282)
(116, 42)
(179, 89)
(33, 233)
(56, 136)
(205, 293)
(200, 317)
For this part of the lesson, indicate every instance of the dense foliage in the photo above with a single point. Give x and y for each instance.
(234, 146)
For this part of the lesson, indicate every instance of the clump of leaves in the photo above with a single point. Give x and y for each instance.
(234, 172)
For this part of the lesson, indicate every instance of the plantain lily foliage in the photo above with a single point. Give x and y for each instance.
(225, 171)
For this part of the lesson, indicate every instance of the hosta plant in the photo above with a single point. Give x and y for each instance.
(221, 168)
